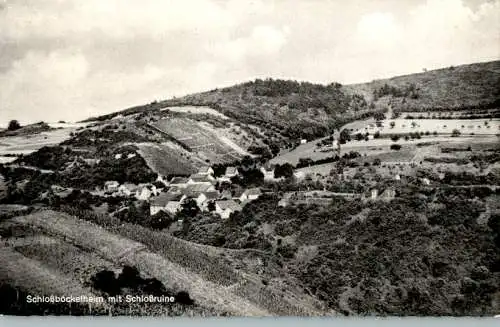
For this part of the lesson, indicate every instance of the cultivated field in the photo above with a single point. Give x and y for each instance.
(202, 141)
(26, 144)
(167, 158)
(440, 126)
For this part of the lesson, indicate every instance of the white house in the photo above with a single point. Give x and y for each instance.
(250, 194)
(144, 192)
(206, 170)
(303, 141)
(388, 194)
(204, 198)
(268, 172)
(111, 186)
(231, 172)
(374, 194)
(226, 208)
(127, 189)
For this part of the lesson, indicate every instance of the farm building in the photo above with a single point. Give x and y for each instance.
(111, 186)
(168, 202)
(250, 194)
(226, 208)
(206, 170)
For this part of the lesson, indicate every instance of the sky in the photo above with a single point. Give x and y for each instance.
(69, 60)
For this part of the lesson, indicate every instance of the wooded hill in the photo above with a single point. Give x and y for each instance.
(466, 87)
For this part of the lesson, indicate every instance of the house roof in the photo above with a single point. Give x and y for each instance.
(200, 178)
(228, 204)
(164, 198)
(178, 180)
(194, 190)
(226, 194)
(212, 195)
(204, 169)
(231, 170)
(111, 183)
(237, 193)
(252, 191)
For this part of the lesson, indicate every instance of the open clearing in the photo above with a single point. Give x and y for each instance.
(196, 110)
(26, 144)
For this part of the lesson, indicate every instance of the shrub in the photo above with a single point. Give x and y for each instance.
(395, 138)
(395, 147)
(13, 125)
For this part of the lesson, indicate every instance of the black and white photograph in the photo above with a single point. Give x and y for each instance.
(250, 158)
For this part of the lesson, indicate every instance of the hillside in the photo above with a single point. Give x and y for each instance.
(280, 109)
(463, 87)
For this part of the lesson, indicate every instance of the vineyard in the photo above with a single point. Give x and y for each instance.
(212, 265)
(199, 140)
(121, 250)
(166, 159)
(32, 276)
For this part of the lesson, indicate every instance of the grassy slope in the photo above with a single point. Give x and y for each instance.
(455, 87)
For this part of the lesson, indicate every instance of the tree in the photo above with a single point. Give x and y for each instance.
(345, 136)
(13, 125)
(392, 124)
(285, 170)
(395, 147)
(189, 209)
(211, 206)
(455, 133)
(160, 220)
(106, 281)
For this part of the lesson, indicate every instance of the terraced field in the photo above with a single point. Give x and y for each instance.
(199, 139)
(168, 158)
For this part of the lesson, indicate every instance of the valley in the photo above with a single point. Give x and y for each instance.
(267, 198)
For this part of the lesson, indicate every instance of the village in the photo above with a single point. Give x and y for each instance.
(200, 187)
